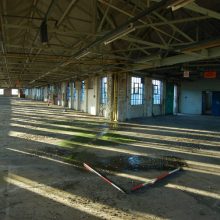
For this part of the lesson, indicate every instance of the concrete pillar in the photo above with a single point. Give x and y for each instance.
(115, 85)
(7, 92)
(45, 93)
(77, 95)
(63, 92)
(92, 96)
(109, 106)
(86, 95)
(122, 96)
(71, 84)
(98, 105)
(163, 97)
(148, 95)
(59, 94)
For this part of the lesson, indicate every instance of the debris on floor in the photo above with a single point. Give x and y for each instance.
(155, 180)
(103, 177)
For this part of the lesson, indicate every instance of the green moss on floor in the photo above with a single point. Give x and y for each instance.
(80, 157)
(82, 140)
(117, 138)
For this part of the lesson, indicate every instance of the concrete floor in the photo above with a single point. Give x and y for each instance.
(42, 150)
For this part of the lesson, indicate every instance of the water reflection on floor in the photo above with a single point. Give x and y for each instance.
(118, 163)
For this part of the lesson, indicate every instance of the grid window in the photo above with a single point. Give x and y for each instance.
(14, 91)
(157, 88)
(68, 93)
(136, 91)
(1, 91)
(103, 90)
(83, 91)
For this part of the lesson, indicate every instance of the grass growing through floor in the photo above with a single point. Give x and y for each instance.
(83, 139)
(78, 141)
(82, 156)
(117, 138)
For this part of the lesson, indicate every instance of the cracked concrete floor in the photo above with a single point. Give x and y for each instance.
(37, 183)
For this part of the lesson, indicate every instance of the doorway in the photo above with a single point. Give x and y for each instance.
(169, 98)
(206, 102)
(216, 103)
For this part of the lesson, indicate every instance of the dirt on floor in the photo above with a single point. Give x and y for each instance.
(43, 148)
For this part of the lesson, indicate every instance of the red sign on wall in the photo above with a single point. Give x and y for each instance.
(210, 74)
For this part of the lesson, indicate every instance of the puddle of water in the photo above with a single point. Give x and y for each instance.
(140, 163)
(118, 163)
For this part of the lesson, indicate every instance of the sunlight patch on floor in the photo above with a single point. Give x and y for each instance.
(170, 128)
(134, 177)
(73, 201)
(173, 186)
(51, 130)
(204, 153)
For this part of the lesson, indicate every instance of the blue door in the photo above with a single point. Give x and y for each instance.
(216, 103)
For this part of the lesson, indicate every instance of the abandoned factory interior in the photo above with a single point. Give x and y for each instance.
(109, 109)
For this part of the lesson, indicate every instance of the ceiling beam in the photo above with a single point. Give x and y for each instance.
(110, 34)
(105, 14)
(211, 53)
(4, 39)
(140, 41)
(196, 8)
(140, 20)
(65, 13)
(175, 28)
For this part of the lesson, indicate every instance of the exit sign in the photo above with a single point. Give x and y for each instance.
(210, 74)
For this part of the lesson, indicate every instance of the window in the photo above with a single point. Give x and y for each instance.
(157, 88)
(83, 91)
(136, 91)
(14, 91)
(1, 91)
(103, 90)
(74, 90)
(74, 93)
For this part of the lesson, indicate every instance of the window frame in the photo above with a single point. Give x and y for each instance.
(14, 94)
(137, 91)
(104, 90)
(83, 91)
(157, 92)
(3, 92)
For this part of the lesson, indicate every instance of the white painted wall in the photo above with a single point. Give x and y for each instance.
(125, 109)
(135, 111)
(63, 94)
(7, 92)
(148, 96)
(92, 102)
(76, 95)
(83, 103)
(45, 94)
(92, 105)
(122, 97)
(191, 94)
(158, 109)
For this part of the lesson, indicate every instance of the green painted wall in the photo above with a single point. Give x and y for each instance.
(169, 98)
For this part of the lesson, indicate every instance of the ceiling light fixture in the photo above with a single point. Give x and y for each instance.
(179, 4)
(121, 34)
(43, 32)
(83, 54)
